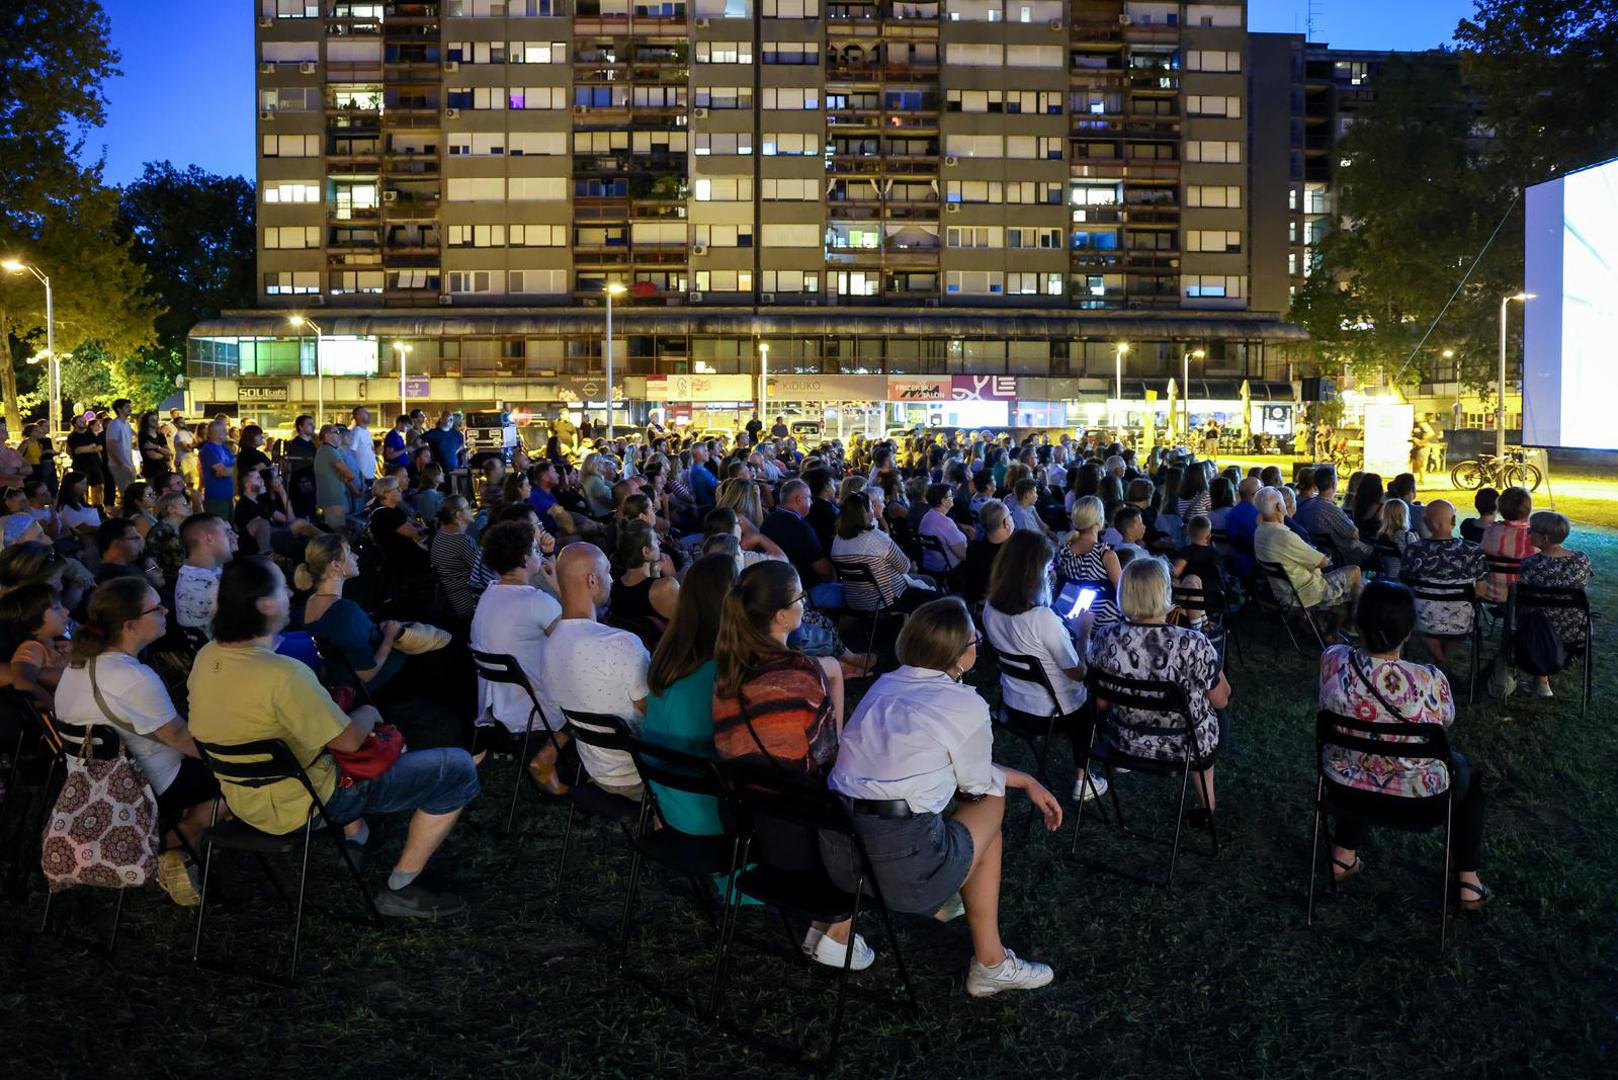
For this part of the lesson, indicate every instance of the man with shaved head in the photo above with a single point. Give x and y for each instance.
(591, 668)
(1241, 523)
(1443, 559)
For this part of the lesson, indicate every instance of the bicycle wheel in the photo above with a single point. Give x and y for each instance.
(1469, 475)
(1526, 476)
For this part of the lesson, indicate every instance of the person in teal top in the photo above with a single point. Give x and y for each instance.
(679, 710)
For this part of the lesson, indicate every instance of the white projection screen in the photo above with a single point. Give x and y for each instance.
(1570, 336)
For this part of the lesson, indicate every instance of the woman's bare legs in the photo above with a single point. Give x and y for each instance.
(980, 892)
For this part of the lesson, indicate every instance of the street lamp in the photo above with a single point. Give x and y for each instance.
(612, 289)
(301, 321)
(53, 369)
(1118, 385)
(1185, 385)
(1500, 401)
(763, 383)
(401, 352)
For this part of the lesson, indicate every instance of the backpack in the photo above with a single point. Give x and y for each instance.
(1536, 646)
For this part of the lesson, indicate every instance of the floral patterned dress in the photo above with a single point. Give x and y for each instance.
(1170, 654)
(1419, 693)
(1444, 562)
(1570, 571)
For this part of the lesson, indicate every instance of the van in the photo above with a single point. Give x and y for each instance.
(490, 435)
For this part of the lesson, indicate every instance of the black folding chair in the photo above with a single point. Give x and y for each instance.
(855, 572)
(933, 545)
(1212, 603)
(1275, 587)
(776, 799)
(1153, 697)
(1460, 592)
(697, 856)
(600, 731)
(1411, 742)
(258, 764)
(1555, 598)
(503, 668)
(1036, 730)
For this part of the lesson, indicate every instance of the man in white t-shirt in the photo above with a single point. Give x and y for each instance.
(209, 545)
(589, 667)
(120, 449)
(361, 447)
(515, 618)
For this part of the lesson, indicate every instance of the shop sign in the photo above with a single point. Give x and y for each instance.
(699, 388)
(262, 394)
(1387, 437)
(828, 387)
(415, 387)
(576, 389)
(983, 387)
(907, 388)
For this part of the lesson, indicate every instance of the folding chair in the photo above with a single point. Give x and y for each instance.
(260, 763)
(1548, 597)
(1036, 730)
(699, 857)
(768, 794)
(503, 668)
(854, 572)
(601, 731)
(1155, 697)
(1214, 605)
(1411, 742)
(1276, 601)
(932, 545)
(1438, 592)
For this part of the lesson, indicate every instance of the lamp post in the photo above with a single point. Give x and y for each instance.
(1118, 386)
(613, 288)
(301, 321)
(401, 354)
(763, 382)
(1500, 400)
(1185, 386)
(53, 371)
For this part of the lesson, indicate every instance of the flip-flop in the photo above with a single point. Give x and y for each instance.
(1348, 869)
(1482, 894)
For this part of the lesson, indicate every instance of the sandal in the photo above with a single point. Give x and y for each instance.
(1342, 871)
(1481, 895)
(546, 778)
(858, 665)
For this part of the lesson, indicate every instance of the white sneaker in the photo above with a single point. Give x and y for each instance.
(1083, 792)
(1010, 974)
(832, 953)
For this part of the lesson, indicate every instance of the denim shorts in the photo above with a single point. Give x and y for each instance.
(439, 781)
(920, 861)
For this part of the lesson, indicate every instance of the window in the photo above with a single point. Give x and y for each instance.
(477, 52)
(475, 189)
(535, 97)
(968, 146)
(720, 9)
(355, 281)
(537, 188)
(538, 236)
(601, 97)
(791, 9)
(1217, 60)
(1029, 192)
(791, 236)
(791, 281)
(1213, 152)
(971, 54)
(791, 97)
(791, 52)
(1035, 56)
(724, 236)
(975, 11)
(724, 281)
(658, 233)
(974, 282)
(791, 191)
(1027, 283)
(292, 237)
(1213, 105)
(473, 281)
(726, 97)
(1213, 196)
(289, 99)
(292, 146)
(291, 9)
(792, 144)
(291, 52)
(1039, 147)
(292, 282)
(1028, 237)
(479, 97)
(483, 236)
(725, 188)
(857, 282)
(292, 191)
(973, 191)
(726, 52)
(526, 143)
(724, 143)
(1213, 15)
(1215, 286)
(538, 52)
(972, 236)
(1033, 102)
(1219, 240)
(658, 97)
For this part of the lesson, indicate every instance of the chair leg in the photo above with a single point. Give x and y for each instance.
(727, 899)
(634, 877)
(297, 919)
(1086, 786)
(898, 957)
(354, 870)
(842, 978)
(45, 920)
(1314, 862)
(522, 763)
(1179, 825)
(202, 906)
(1443, 920)
(561, 860)
(117, 918)
(727, 936)
(1213, 818)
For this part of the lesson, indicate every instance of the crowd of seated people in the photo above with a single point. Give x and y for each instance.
(697, 593)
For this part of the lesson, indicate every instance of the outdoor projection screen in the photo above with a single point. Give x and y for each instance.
(1570, 336)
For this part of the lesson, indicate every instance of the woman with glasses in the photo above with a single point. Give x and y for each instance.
(919, 742)
(456, 559)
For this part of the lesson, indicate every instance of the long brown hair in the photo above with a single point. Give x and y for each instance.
(1017, 578)
(744, 625)
(689, 639)
(115, 603)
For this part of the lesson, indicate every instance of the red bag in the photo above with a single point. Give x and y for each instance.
(375, 756)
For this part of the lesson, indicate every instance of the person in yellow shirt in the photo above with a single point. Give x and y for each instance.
(241, 691)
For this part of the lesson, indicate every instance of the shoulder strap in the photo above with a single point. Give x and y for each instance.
(101, 702)
(1354, 662)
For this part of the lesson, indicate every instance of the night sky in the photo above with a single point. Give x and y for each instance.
(187, 89)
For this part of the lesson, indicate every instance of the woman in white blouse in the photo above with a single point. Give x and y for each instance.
(919, 741)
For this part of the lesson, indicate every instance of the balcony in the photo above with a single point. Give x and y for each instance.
(405, 206)
(1096, 32)
(600, 208)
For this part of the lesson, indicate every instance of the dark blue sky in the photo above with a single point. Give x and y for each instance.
(187, 89)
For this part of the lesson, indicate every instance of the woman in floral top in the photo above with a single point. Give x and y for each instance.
(1376, 684)
(1556, 567)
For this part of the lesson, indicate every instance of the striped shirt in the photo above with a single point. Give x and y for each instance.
(888, 564)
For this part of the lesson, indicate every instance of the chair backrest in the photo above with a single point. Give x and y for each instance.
(931, 544)
(1411, 742)
(1456, 592)
(503, 668)
(1156, 697)
(855, 572)
(678, 770)
(1028, 669)
(765, 791)
(1503, 564)
(1210, 600)
(1552, 596)
(600, 730)
(257, 763)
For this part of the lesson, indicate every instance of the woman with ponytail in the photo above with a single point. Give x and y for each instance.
(106, 685)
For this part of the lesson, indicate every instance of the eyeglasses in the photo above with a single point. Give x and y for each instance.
(800, 598)
(150, 610)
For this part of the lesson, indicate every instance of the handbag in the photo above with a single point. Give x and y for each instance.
(103, 829)
(376, 755)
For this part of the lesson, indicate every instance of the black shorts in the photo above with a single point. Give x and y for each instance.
(192, 786)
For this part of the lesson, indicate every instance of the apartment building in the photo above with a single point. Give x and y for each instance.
(1004, 188)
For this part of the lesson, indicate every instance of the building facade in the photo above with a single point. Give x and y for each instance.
(965, 187)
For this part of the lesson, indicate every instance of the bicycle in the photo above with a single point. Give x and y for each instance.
(1486, 470)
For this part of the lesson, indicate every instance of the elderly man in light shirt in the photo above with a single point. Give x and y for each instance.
(1056, 471)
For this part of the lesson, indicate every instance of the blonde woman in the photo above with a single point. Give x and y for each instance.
(742, 496)
(1394, 537)
(1083, 557)
(595, 477)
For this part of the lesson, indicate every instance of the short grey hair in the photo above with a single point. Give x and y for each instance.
(384, 484)
(1551, 525)
(992, 514)
(1144, 591)
(1271, 504)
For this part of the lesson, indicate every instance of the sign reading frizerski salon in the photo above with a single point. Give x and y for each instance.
(983, 387)
(918, 388)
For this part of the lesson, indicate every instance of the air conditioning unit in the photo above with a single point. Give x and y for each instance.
(390, 196)
(267, 68)
(452, 65)
(699, 249)
(266, 21)
(307, 68)
(497, 10)
(452, 114)
(317, 300)
(951, 160)
(1056, 24)
(766, 298)
(703, 24)
(266, 114)
(700, 112)
(580, 110)
(696, 298)
(952, 208)
(445, 299)
(1125, 20)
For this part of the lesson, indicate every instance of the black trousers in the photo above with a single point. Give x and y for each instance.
(1467, 826)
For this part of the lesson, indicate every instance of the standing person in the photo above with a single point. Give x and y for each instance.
(334, 480)
(155, 455)
(88, 457)
(218, 473)
(250, 455)
(298, 462)
(121, 465)
(185, 445)
(754, 426)
(45, 471)
(779, 429)
(362, 447)
(396, 443)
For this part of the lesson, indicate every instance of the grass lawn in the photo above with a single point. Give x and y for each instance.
(1221, 978)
